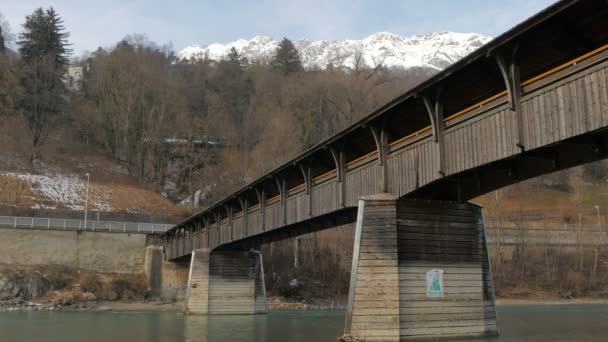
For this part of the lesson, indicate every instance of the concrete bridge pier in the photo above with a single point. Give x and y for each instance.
(225, 282)
(420, 271)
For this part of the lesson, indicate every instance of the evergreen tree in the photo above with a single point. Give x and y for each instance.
(235, 57)
(44, 35)
(286, 58)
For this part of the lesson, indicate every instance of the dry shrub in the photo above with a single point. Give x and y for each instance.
(66, 285)
(14, 192)
(324, 265)
(129, 287)
(551, 271)
(60, 276)
(94, 283)
(125, 287)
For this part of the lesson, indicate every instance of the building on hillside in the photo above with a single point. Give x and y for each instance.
(73, 77)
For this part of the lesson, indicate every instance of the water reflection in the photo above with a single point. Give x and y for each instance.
(226, 328)
(516, 323)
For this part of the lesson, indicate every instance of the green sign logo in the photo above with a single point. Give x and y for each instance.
(434, 283)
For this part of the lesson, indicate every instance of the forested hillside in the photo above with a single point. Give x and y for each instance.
(208, 125)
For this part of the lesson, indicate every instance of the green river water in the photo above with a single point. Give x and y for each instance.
(517, 323)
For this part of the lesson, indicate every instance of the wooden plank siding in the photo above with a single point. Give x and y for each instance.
(572, 103)
(325, 197)
(255, 225)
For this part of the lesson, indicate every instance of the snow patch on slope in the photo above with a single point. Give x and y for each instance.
(68, 191)
(436, 50)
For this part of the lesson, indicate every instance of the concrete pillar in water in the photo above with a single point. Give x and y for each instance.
(420, 271)
(153, 262)
(226, 282)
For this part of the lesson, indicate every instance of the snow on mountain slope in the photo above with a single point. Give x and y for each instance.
(436, 50)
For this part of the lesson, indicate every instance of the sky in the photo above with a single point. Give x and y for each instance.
(185, 22)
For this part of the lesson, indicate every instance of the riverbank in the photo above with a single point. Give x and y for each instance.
(281, 303)
(19, 305)
(57, 288)
(274, 304)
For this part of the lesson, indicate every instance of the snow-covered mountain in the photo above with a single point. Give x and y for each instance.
(436, 50)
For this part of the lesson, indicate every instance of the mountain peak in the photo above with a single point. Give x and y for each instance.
(436, 50)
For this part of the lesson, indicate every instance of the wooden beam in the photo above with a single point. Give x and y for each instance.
(199, 233)
(262, 201)
(307, 175)
(282, 185)
(218, 223)
(245, 209)
(191, 237)
(339, 160)
(229, 213)
(207, 226)
(434, 108)
(381, 140)
(509, 69)
(183, 240)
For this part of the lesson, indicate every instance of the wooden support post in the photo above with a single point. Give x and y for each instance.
(245, 210)
(434, 108)
(338, 156)
(282, 185)
(382, 147)
(229, 213)
(262, 201)
(199, 234)
(169, 247)
(191, 238)
(207, 226)
(509, 69)
(174, 243)
(178, 241)
(218, 224)
(183, 240)
(307, 175)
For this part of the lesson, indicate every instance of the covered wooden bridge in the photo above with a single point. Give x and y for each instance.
(532, 101)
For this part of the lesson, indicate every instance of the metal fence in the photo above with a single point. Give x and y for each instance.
(91, 225)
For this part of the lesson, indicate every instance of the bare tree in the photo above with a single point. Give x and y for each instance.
(42, 98)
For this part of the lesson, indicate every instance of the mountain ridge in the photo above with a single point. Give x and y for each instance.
(436, 50)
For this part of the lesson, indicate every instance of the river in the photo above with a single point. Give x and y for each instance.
(586, 322)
